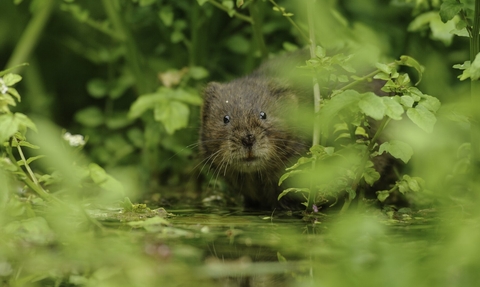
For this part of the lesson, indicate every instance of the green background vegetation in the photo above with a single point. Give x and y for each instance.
(128, 76)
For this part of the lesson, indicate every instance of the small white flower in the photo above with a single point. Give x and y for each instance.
(3, 87)
(74, 140)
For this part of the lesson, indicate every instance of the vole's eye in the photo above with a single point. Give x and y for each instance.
(226, 119)
(263, 115)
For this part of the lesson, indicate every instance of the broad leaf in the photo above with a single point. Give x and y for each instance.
(449, 9)
(393, 109)
(397, 149)
(372, 105)
(422, 117)
(172, 114)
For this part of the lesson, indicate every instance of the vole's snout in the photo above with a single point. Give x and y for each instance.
(248, 140)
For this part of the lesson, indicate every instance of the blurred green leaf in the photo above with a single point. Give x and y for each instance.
(422, 117)
(11, 79)
(90, 117)
(166, 15)
(198, 73)
(11, 123)
(397, 149)
(97, 88)
(102, 179)
(173, 115)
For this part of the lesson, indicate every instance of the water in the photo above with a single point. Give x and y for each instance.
(234, 248)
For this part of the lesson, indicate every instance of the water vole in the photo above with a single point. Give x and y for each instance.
(248, 135)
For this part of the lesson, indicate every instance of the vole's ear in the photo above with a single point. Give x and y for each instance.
(211, 90)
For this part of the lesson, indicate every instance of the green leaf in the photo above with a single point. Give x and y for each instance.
(90, 117)
(411, 62)
(382, 195)
(421, 21)
(463, 66)
(422, 117)
(11, 123)
(13, 92)
(102, 179)
(393, 109)
(449, 9)
(287, 175)
(201, 2)
(412, 183)
(238, 44)
(166, 15)
(97, 88)
(372, 105)
(370, 175)
(188, 96)
(8, 126)
(320, 52)
(442, 31)
(30, 160)
(339, 102)
(430, 103)
(143, 103)
(11, 79)
(240, 3)
(172, 114)
(293, 189)
(407, 101)
(397, 149)
(198, 73)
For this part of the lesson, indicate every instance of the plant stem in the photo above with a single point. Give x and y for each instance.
(27, 166)
(356, 82)
(257, 28)
(30, 36)
(316, 98)
(475, 90)
(33, 185)
(292, 22)
(235, 13)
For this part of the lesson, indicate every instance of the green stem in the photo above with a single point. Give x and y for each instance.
(358, 81)
(33, 185)
(257, 28)
(316, 99)
(228, 10)
(304, 36)
(31, 35)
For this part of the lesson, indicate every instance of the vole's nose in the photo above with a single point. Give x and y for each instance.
(248, 140)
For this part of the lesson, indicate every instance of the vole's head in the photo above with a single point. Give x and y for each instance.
(246, 126)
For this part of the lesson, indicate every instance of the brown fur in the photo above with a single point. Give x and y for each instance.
(250, 152)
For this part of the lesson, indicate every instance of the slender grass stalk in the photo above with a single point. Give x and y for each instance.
(29, 39)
